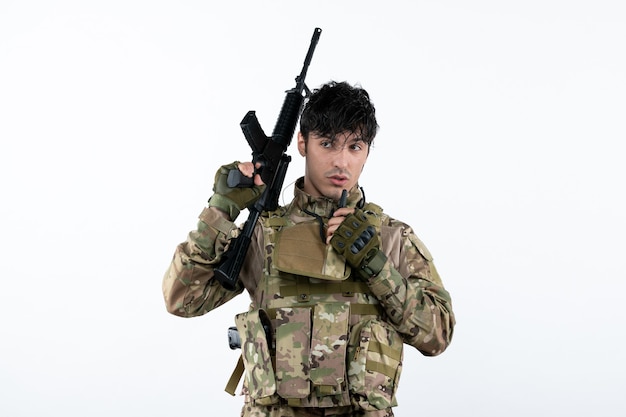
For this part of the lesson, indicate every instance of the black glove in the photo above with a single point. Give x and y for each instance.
(232, 200)
(357, 240)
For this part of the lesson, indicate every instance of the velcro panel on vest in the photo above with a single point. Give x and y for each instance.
(293, 335)
(300, 251)
(328, 347)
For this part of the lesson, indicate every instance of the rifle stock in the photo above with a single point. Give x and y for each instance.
(269, 154)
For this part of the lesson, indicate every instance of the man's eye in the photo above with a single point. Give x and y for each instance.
(326, 144)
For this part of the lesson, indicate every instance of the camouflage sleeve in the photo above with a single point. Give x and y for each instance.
(189, 287)
(412, 293)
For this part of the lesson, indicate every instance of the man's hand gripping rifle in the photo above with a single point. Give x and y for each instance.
(271, 162)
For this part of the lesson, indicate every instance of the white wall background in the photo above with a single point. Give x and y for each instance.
(501, 143)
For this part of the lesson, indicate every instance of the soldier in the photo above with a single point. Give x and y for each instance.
(336, 289)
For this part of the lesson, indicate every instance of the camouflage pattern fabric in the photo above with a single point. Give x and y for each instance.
(293, 333)
(255, 351)
(405, 304)
(375, 365)
(259, 411)
(328, 347)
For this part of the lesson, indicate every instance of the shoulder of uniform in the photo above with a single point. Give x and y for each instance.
(374, 208)
(409, 235)
(421, 247)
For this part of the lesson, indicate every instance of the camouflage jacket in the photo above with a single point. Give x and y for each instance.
(335, 340)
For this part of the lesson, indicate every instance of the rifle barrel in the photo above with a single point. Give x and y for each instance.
(307, 60)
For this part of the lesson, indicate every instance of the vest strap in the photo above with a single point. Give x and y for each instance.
(384, 350)
(305, 289)
(365, 309)
(387, 370)
(231, 386)
(294, 402)
(356, 309)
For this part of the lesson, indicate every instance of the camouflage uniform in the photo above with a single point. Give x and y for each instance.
(316, 341)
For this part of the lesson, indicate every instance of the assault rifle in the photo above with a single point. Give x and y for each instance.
(269, 153)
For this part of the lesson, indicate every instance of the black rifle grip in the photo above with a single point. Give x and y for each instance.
(236, 179)
(252, 130)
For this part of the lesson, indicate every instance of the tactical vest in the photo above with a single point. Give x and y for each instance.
(315, 336)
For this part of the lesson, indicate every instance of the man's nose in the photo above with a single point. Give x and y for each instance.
(341, 158)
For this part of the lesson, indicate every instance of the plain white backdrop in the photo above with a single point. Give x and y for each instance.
(501, 143)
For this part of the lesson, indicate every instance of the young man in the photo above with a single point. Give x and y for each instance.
(335, 291)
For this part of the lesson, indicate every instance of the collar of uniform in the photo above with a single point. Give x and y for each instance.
(322, 206)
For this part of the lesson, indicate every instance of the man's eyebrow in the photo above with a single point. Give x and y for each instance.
(336, 139)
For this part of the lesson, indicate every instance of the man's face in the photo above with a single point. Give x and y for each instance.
(332, 166)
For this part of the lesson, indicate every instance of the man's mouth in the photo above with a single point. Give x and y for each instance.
(338, 180)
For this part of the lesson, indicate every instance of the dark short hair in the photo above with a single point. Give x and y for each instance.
(338, 107)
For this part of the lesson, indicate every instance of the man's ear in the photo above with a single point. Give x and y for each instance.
(301, 144)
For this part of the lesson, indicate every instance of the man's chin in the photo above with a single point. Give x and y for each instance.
(335, 193)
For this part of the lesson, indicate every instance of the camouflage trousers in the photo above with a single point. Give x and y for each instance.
(250, 410)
